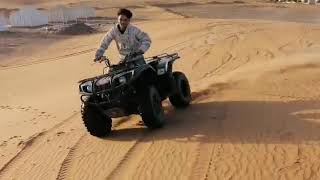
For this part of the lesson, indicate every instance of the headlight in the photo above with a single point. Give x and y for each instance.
(89, 88)
(122, 78)
(86, 87)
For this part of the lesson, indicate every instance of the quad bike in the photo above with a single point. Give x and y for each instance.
(132, 88)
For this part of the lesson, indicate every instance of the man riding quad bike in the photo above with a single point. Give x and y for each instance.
(135, 85)
(132, 88)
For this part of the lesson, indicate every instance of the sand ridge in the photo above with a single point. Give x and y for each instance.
(255, 110)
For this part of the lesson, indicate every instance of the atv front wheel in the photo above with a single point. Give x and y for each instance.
(151, 109)
(182, 94)
(97, 123)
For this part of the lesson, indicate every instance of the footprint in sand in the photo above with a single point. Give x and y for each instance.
(44, 115)
(27, 108)
(22, 108)
(4, 143)
(60, 133)
(20, 143)
(308, 43)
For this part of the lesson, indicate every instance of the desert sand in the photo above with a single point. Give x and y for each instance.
(254, 71)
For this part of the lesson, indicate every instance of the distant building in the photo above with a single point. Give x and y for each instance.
(303, 1)
(311, 1)
(63, 14)
(60, 14)
(28, 17)
(3, 24)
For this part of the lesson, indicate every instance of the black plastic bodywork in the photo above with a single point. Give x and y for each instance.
(121, 99)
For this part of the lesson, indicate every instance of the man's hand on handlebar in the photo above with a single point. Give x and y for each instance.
(99, 55)
(100, 59)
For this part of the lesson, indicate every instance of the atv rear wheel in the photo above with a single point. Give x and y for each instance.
(97, 123)
(151, 109)
(181, 97)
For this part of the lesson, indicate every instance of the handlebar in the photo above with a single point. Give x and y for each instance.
(103, 59)
(126, 59)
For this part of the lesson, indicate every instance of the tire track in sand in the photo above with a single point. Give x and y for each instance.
(31, 152)
(40, 61)
(27, 145)
(202, 163)
(112, 154)
(206, 152)
(227, 59)
(131, 159)
(69, 157)
(67, 160)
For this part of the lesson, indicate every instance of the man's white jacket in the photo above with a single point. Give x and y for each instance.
(132, 40)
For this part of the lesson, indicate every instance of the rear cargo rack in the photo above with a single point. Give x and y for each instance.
(174, 56)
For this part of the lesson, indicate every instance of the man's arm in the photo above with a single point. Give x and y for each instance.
(144, 39)
(105, 43)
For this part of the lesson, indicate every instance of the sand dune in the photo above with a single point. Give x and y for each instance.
(255, 111)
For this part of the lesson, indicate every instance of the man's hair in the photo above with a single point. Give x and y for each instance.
(125, 12)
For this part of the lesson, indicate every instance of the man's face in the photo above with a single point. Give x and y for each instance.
(123, 21)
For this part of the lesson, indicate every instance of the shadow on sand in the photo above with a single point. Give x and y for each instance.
(235, 121)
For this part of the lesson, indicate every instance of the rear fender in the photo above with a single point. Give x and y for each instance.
(165, 66)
